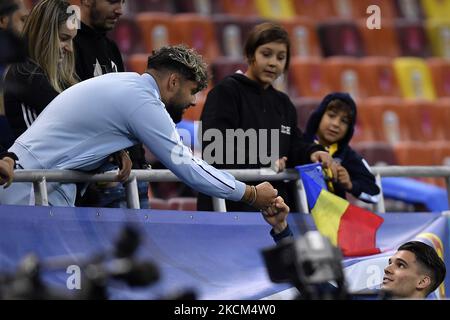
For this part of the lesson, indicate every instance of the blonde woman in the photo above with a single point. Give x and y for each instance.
(49, 69)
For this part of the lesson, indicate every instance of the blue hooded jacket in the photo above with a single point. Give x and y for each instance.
(363, 181)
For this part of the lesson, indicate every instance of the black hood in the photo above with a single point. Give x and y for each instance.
(316, 117)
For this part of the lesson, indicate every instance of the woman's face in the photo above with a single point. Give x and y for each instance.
(66, 36)
(268, 64)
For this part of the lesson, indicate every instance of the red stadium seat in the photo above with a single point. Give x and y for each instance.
(440, 74)
(244, 8)
(426, 120)
(380, 42)
(378, 75)
(232, 32)
(412, 38)
(364, 128)
(157, 30)
(376, 153)
(198, 32)
(414, 154)
(136, 62)
(303, 36)
(308, 77)
(223, 66)
(127, 35)
(317, 10)
(304, 108)
(388, 118)
(340, 38)
(343, 74)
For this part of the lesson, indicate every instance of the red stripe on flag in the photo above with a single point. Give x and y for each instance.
(357, 232)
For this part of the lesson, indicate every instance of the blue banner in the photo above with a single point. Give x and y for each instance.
(217, 255)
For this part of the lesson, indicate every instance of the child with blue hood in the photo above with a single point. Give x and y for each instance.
(332, 125)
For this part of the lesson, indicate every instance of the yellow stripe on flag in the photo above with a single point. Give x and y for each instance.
(327, 213)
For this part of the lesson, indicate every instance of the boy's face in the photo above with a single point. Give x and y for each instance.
(333, 126)
(268, 64)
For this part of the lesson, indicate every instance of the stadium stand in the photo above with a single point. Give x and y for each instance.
(399, 74)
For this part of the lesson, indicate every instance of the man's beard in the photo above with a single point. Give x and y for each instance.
(175, 111)
(96, 20)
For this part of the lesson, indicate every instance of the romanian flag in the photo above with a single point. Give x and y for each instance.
(351, 228)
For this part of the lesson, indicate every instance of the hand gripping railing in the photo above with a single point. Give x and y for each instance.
(39, 178)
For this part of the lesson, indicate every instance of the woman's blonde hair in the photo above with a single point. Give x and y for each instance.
(41, 33)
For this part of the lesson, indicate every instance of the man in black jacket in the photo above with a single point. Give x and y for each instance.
(95, 55)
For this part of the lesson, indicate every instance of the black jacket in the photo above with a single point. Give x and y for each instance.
(363, 181)
(27, 93)
(238, 102)
(95, 54)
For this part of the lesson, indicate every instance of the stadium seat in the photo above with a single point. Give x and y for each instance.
(232, 32)
(380, 42)
(376, 153)
(275, 9)
(440, 73)
(156, 29)
(304, 108)
(198, 32)
(379, 78)
(441, 152)
(412, 38)
(409, 9)
(414, 78)
(444, 104)
(245, 8)
(414, 154)
(388, 118)
(136, 6)
(204, 7)
(364, 128)
(136, 62)
(342, 74)
(436, 9)
(223, 66)
(317, 10)
(426, 120)
(304, 40)
(184, 204)
(308, 77)
(127, 35)
(439, 36)
(340, 38)
(158, 204)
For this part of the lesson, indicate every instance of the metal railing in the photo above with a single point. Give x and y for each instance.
(39, 178)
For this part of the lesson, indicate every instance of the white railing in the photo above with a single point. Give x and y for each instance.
(39, 178)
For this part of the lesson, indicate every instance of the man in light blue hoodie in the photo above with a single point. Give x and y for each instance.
(81, 127)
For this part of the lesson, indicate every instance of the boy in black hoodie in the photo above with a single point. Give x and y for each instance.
(332, 125)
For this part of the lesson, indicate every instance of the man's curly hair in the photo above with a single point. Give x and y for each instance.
(181, 59)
